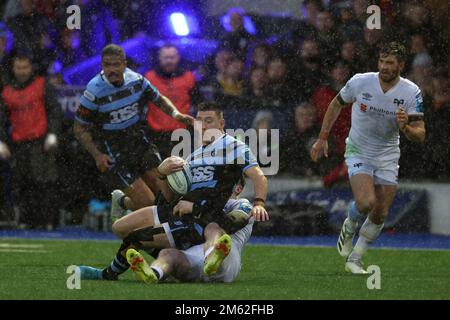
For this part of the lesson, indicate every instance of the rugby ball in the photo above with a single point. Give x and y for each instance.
(239, 212)
(180, 181)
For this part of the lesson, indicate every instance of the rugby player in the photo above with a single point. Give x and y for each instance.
(216, 168)
(114, 109)
(382, 104)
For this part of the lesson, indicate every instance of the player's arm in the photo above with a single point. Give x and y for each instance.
(81, 130)
(151, 94)
(320, 147)
(4, 149)
(260, 186)
(414, 130)
(169, 108)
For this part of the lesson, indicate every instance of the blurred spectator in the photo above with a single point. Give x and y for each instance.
(238, 39)
(231, 82)
(322, 96)
(54, 74)
(296, 144)
(256, 92)
(437, 121)
(370, 49)
(261, 55)
(176, 83)
(69, 51)
(33, 36)
(263, 123)
(349, 53)
(34, 116)
(421, 72)
(327, 36)
(309, 74)
(306, 27)
(278, 90)
(340, 73)
(99, 27)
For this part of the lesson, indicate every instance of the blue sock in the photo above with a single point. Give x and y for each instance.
(353, 213)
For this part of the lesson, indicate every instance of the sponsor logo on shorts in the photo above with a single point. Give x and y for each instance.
(357, 165)
(363, 107)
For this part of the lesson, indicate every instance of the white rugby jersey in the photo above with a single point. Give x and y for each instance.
(374, 132)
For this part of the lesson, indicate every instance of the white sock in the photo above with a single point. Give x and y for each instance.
(159, 272)
(368, 233)
(208, 251)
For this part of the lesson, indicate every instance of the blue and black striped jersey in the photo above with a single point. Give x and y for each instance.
(112, 109)
(216, 168)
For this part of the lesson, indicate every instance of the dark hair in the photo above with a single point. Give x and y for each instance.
(394, 48)
(22, 56)
(211, 106)
(113, 50)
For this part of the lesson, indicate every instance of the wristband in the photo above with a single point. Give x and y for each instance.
(259, 202)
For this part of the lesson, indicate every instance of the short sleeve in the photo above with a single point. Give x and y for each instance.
(85, 115)
(88, 100)
(348, 92)
(415, 105)
(245, 157)
(150, 92)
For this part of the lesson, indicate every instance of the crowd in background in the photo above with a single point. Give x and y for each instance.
(297, 73)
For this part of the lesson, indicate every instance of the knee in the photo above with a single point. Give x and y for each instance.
(118, 229)
(365, 206)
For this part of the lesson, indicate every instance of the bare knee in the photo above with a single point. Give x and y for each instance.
(119, 230)
(366, 205)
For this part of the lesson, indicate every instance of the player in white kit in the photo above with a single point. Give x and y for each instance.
(189, 265)
(382, 104)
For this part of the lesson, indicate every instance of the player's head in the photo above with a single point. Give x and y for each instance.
(169, 58)
(22, 68)
(391, 61)
(238, 187)
(114, 63)
(212, 122)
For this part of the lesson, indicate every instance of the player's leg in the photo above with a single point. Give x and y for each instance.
(362, 185)
(170, 262)
(217, 247)
(373, 225)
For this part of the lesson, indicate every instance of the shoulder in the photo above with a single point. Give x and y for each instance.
(95, 85)
(363, 77)
(131, 76)
(408, 84)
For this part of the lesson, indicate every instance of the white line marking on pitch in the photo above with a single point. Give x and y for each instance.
(21, 246)
(23, 251)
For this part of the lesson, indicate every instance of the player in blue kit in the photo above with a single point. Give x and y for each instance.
(216, 168)
(111, 125)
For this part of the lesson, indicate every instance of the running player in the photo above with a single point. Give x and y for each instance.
(383, 104)
(114, 107)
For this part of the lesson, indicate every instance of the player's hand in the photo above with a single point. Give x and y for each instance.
(103, 162)
(319, 148)
(183, 207)
(259, 213)
(4, 151)
(171, 164)
(51, 142)
(185, 118)
(402, 118)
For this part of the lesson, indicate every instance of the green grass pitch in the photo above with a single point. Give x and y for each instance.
(36, 269)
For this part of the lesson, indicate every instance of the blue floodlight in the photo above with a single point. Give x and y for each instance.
(179, 24)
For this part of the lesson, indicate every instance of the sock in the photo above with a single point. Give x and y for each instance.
(368, 233)
(158, 271)
(121, 202)
(118, 265)
(353, 213)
